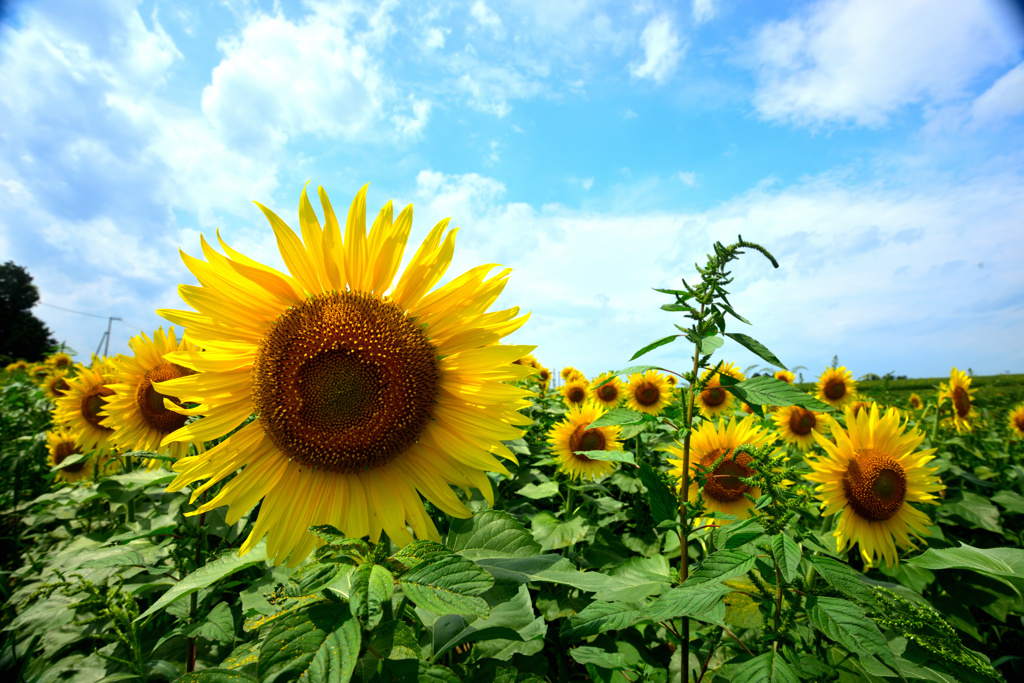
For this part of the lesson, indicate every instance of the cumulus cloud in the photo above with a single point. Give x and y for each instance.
(704, 10)
(662, 50)
(860, 61)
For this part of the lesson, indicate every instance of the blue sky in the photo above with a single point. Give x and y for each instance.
(597, 148)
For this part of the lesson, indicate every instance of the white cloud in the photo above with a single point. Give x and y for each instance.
(587, 184)
(435, 38)
(688, 178)
(412, 126)
(630, 114)
(490, 87)
(862, 60)
(662, 50)
(1003, 100)
(704, 10)
(485, 16)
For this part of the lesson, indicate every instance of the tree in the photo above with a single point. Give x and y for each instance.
(22, 335)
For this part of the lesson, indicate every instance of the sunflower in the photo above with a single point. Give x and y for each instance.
(648, 393)
(575, 391)
(60, 360)
(916, 402)
(528, 360)
(39, 372)
(81, 408)
(836, 387)
(671, 380)
(16, 367)
(369, 393)
(785, 375)
(797, 425)
(571, 373)
(1016, 418)
(858, 406)
(714, 400)
(56, 385)
(724, 492)
(61, 444)
(136, 412)
(959, 392)
(571, 435)
(870, 475)
(609, 394)
(543, 377)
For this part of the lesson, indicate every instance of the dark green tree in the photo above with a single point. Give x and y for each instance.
(22, 335)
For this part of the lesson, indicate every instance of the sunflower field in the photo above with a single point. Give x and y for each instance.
(342, 473)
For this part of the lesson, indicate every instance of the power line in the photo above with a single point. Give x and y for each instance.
(61, 308)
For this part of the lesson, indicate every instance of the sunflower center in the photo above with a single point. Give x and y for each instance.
(875, 484)
(60, 386)
(576, 394)
(608, 392)
(724, 483)
(586, 440)
(345, 382)
(835, 389)
(801, 421)
(1019, 421)
(962, 401)
(150, 402)
(715, 396)
(63, 451)
(647, 394)
(93, 403)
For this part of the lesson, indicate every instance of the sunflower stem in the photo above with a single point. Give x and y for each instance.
(568, 501)
(190, 656)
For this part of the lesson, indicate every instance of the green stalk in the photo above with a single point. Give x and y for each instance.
(190, 655)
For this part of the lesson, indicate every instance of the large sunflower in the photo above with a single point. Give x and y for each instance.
(714, 400)
(870, 475)
(136, 412)
(959, 392)
(648, 393)
(724, 491)
(81, 408)
(797, 425)
(575, 391)
(60, 442)
(571, 435)
(609, 394)
(836, 387)
(369, 393)
(1016, 421)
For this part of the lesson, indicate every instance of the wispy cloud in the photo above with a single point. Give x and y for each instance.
(662, 50)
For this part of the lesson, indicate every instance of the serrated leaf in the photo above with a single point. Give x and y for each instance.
(510, 622)
(598, 657)
(491, 533)
(617, 417)
(549, 569)
(552, 533)
(699, 602)
(609, 456)
(756, 348)
(664, 505)
(735, 535)
(653, 345)
(844, 622)
(448, 586)
(214, 676)
(765, 390)
(319, 644)
(212, 572)
(435, 673)
(635, 369)
(844, 579)
(334, 537)
(769, 667)
(721, 565)
(219, 625)
(710, 343)
(787, 555)
(598, 617)
(372, 585)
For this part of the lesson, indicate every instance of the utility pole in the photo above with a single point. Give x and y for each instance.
(105, 339)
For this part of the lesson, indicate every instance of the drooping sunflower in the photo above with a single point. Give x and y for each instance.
(797, 425)
(369, 393)
(606, 394)
(870, 476)
(61, 444)
(575, 391)
(136, 412)
(916, 402)
(60, 360)
(571, 435)
(785, 375)
(714, 400)
(82, 408)
(960, 393)
(648, 393)
(724, 491)
(836, 387)
(56, 385)
(1016, 419)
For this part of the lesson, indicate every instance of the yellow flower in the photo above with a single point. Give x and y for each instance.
(609, 394)
(836, 387)
(60, 442)
(60, 361)
(571, 435)
(724, 491)
(959, 392)
(574, 392)
(858, 406)
(916, 402)
(797, 426)
(1016, 419)
(56, 385)
(16, 367)
(543, 377)
(81, 408)
(785, 375)
(570, 373)
(870, 476)
(714, 400)
(369, 392)
(648, 393)
(136, 412)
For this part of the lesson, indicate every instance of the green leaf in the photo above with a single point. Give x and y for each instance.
(755, 347)
(973, 508)
(372, 585)
(225, 565)
(721, 565)
(609, 456)
(702, 602)
(215, 676)
(731, 536)
(765, 390)
(710, 343)
(543, 491)
(1011, 500)
(334, 537)
(787, 556)
(319, 643)
(598, 617)
(511, 623)
(769, 667)
(616, 417)
(448, 586)
(549, 569)
(653, 345)
(435, 673)
(491, 533)
(664, 505)
(844, 579)
(845, 623)
(553, 533)
(598, 657)
(219, 625)
(1002, 564)
(636, 369)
